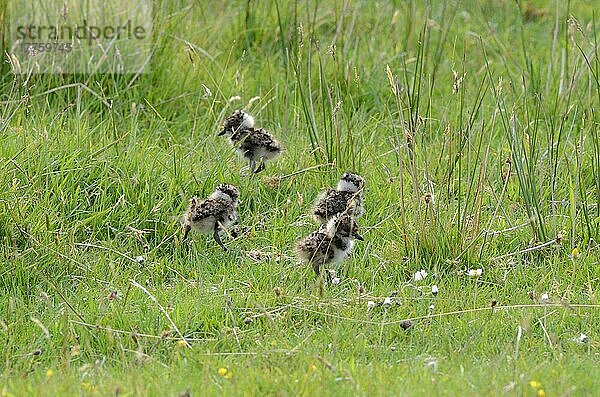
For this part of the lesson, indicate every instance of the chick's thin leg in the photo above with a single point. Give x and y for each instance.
(317, 268)
(218, 238)
(186, 230)
(260, 167)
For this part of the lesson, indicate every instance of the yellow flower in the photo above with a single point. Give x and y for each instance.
(312, 368)
(535, 384)
(49, 373)
(229, 375)
(181, 343)
(222, 371)
(87, 386)
(541, 393)
(575, 253)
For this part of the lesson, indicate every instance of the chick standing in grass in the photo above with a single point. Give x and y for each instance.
(255, 145)
(347, 196)
(329, 245)
(214, 214)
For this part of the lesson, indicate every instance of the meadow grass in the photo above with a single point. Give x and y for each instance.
(474, 123)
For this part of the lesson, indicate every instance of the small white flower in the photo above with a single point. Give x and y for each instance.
(335, 280)
(370, 304)
(475, 272)
(139, 259)
(393, 348)
(434, 289)
(387, 301)
(583, 338)
(545, 296)
(252, 100)
(431, 307)
(234, 98)
(207, 91)
(431, 363)
(420, 275)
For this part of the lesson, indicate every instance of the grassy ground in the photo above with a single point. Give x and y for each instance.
(489, 107)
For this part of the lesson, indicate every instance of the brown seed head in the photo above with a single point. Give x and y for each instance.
(428, 198)
(406, 325)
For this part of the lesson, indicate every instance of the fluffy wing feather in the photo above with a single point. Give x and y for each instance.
(252, 139)
(218, 208)
(315, 249)
(330, 203)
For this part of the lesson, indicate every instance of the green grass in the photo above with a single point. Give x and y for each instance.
(491, 107)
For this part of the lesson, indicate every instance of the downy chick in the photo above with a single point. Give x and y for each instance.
(214, 214)
(347, 196)
(255, 145)
(329, 245)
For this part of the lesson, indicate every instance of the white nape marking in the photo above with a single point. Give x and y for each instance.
(331, 227)
(217, 194)
(345, 186)
(247, 121)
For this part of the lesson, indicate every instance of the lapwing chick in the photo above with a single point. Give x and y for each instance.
(331, 244)
(214, 214)
(346, 197)
(254, 144)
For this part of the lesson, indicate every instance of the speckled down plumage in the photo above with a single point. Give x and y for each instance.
(346, 197)
(330, 245)
(238, 120)
(213, 214)
(255, 144)
(204, 215)
(332, 202)
(319, 250)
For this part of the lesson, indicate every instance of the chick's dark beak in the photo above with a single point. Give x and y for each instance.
(358, 237)
(222, 132)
